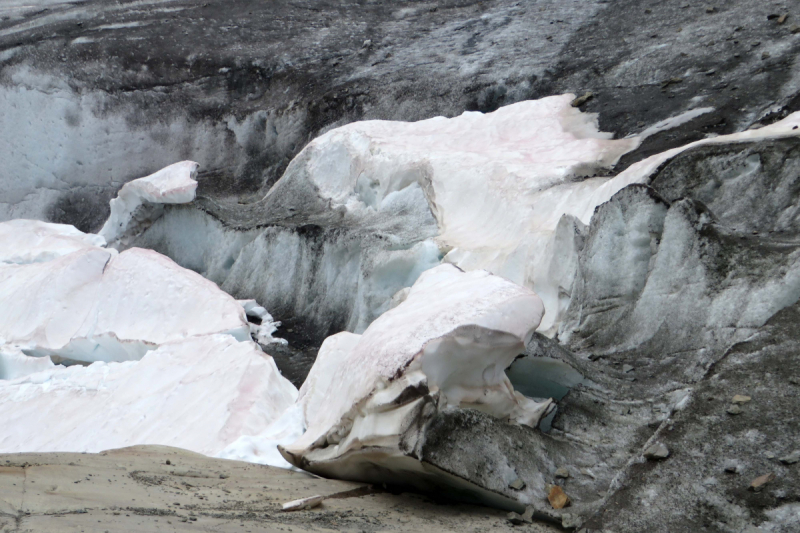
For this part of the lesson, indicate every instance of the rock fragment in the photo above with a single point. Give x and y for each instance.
(791, 459)
(761, 481)
(627, 368)
(562, 473)
(657, 451)
(557, 497)
(734, 409)
(303, 503)
(517, 484)
(524, 518)
(579, 101)
(740, 399)
(732, 466)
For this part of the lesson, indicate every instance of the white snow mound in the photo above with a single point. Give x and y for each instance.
(32, 241)
(200, 394)
(97, 305)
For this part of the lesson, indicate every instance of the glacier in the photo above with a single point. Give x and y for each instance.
(154, 353)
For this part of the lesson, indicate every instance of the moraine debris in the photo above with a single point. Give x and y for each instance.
(761, 481)
(303, 503)
(557, 497)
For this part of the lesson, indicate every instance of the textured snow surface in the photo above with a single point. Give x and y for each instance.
(96, 305)
(453, 335)
(199, 394)
(32, 241)
(174, 184)
(498, 184)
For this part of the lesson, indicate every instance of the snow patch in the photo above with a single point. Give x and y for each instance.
(32, 241)
(97, 305)
(200, 394)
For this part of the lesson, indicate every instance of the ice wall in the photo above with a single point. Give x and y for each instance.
(140, 202)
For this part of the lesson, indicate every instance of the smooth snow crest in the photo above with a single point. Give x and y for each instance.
(33, 241)
(97, 305)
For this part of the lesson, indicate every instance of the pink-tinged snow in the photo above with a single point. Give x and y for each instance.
(455, 332)
(200, 394)
(97, 305)
(33, 241)
(174, 184)
(497, 183)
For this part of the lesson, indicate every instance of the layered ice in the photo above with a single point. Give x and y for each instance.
(94, 304)
(446, 345)
(200, 394)
(499, 184)
(140, 202)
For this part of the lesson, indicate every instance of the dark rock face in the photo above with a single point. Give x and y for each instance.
(119, 89)
(706, 440)
(704, 309)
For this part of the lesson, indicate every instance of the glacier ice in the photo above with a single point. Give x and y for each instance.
(169, 355)
(447, 345)
(140, 202)
(199, 393)
(97, 305)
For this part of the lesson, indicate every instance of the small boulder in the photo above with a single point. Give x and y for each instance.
(562, 473)
(517, 484)
(791, 459)
(656, 451)
(557, 497)
(740, 399)
(761, 481)
(734, 409)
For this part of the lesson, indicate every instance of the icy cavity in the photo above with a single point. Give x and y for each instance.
(446, 345)
(200, 394)
(140, 201)
(96, 305)
(32, 241)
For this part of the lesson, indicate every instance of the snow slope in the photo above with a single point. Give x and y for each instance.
(199, 394)
(96, 305)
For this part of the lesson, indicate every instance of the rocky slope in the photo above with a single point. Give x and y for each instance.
(241, 86)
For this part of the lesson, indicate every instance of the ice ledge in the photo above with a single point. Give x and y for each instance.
(139, 202)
